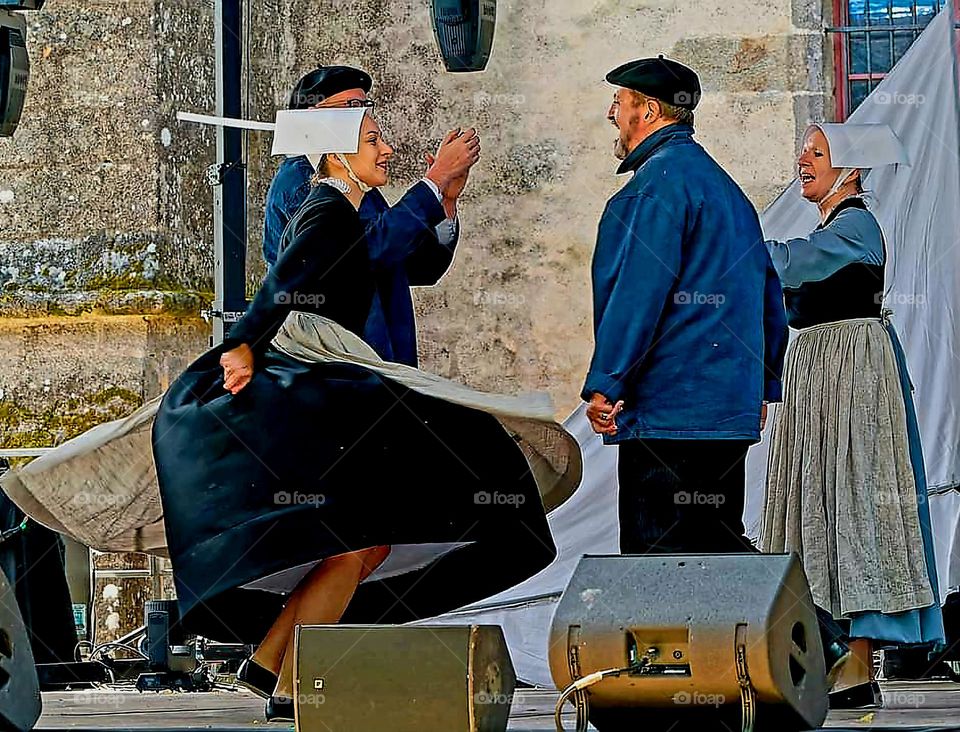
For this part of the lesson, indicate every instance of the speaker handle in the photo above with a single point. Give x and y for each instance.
(748, 697)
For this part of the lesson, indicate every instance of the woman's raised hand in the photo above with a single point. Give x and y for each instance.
(459, 151)
(237, 368)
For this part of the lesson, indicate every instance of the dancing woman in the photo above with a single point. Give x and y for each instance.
(272, 463)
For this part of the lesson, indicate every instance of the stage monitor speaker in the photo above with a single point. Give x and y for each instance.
(691, 628)
(438, 678)
(19, 688)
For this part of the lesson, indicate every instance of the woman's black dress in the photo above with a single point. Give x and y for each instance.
(314, 460)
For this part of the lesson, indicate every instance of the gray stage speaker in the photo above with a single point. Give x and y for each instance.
(19, 688)
(691, 628)
(360, 678)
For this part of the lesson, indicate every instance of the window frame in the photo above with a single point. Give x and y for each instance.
(839, 34)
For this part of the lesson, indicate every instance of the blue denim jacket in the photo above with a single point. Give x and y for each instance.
(689, 320)
(404, 250)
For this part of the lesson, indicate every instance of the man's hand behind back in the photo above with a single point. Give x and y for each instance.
(602, 414)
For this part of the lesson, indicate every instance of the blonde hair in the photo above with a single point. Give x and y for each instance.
(322, 171)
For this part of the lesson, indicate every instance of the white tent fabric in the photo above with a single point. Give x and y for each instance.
(919, 210)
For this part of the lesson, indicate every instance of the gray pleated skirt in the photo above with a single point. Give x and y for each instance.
(841, 490)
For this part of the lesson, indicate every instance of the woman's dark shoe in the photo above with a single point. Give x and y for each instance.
(857, 697)
(256, 678)
(279, 709)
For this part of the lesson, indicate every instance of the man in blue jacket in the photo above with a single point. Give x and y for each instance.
(411, 244)
(689, 324)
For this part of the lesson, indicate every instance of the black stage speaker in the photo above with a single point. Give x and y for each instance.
(366, 678)
(19, 688)
(14, 70)
(156, 618)
(464, 32)
(708, 640)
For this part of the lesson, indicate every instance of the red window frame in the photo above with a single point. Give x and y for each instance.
(839, 33)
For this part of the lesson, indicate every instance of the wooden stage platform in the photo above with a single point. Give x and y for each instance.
(928, 706)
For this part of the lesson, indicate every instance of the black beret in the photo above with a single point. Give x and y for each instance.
(660, 78)
(326, 81)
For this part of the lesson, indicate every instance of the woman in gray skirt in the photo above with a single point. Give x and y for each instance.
(846, 488)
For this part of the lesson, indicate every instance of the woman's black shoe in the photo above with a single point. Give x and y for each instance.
(857, 697)
(279, 709)
(256, 678)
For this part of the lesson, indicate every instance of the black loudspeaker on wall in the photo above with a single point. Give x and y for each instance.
(355, 678)
(14, 70)
(464, 32)
(19, 688)
(700, 642)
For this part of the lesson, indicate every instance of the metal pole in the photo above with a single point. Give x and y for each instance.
(229, 198)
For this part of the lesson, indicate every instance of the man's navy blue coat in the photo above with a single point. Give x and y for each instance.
(688, 312)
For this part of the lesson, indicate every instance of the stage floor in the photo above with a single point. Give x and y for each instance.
(918, 706)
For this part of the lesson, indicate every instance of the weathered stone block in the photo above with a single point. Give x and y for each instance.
(61, 376)
(755, 64)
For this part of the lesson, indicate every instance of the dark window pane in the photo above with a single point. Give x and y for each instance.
(856, 10)
(902, 13)
(858, 92)
(879, 12)
(880, 53)
(858, 53)
(901, 42)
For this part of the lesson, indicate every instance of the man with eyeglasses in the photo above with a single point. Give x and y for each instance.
(411, 244)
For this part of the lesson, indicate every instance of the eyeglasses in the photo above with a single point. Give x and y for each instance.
(355, 103)
(346, 104)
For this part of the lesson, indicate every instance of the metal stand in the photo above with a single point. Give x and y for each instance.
(229, 175)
